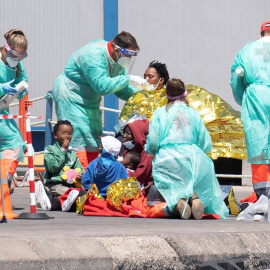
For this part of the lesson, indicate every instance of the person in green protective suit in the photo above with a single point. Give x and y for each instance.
(97, 69)
(250, 82)
(12, 72)
(183, 174)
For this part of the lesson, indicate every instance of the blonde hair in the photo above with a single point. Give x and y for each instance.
(14, 38)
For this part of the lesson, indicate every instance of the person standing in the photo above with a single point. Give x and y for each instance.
(250, 83)
(97, 69)
(12, 72)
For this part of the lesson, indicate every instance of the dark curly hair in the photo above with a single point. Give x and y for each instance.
(161, 70)
(59, 123)
(135, 158)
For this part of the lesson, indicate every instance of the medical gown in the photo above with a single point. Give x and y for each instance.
(89, 74)
(13, 147)
(180, 141)
(253, 92)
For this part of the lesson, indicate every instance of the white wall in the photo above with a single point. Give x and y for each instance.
(198, 40)
(54, 29)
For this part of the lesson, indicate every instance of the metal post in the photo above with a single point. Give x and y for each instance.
(48, 125)
(30, 165)
(110, 14)
(23, 109)
(4, 219)
(31, 170)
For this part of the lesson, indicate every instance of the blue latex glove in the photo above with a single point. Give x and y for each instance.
(8, 89)
(21, 92)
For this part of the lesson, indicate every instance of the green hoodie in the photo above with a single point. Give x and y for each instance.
(55, 160)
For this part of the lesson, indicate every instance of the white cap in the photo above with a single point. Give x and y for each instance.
(111, 145)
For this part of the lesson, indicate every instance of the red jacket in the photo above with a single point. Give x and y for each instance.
(143, 173)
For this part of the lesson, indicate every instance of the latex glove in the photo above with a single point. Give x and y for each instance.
(139, 81)
(20, 93)
(8, 89)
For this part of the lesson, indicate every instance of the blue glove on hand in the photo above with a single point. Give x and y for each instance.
(8, 89)
(20, 93)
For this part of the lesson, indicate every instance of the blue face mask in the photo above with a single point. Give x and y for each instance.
(129, 144)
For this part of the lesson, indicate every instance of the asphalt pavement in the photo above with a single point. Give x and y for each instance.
(71, 241)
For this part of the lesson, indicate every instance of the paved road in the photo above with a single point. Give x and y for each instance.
(66, 223)
(128, 243)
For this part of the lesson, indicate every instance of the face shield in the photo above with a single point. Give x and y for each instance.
(14, 55)
(127, 58)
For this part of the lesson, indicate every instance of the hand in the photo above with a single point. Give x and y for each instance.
(65, 143)
(79, 178)
(20, 93)
(139, 81)
(8, 89)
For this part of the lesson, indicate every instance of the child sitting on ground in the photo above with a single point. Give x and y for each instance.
(59, 156)
(102, 171)
(131, 161)
(105, 169)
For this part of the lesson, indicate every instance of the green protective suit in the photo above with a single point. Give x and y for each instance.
(13, 147)
(253, 92)
(180, 141)
(89, 74)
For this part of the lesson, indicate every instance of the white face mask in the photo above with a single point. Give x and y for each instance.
(151, 87)
(124, 61)
(129, 145)
(12, 63)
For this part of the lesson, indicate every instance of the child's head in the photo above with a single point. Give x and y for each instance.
(63, 130)
(131, 160)
(111, 145)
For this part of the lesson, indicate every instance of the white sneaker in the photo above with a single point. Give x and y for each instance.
(42, 197)
(72, 196)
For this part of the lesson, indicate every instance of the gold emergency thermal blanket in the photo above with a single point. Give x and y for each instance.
(221, 120)
(80, 200)
(123, 190)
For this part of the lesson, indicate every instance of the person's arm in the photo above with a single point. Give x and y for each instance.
(87, 178)
(54, 159)
(153, 137)
(94, 67)
(204, 140)
(15, 81)
(126, 92)
(237, 83)
(22, 77)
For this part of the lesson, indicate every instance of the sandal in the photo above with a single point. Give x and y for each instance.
(197, 209)
(184, 209)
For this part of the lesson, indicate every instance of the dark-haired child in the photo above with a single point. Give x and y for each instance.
(57, 156)
(131, 161)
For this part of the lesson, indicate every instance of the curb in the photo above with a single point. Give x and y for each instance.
(135, 252)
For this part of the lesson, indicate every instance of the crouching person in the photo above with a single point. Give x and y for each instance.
(102, 171)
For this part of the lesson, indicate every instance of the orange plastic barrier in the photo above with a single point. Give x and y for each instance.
(7, 202)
